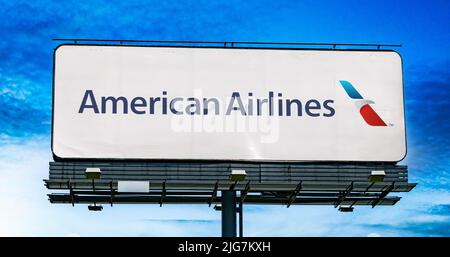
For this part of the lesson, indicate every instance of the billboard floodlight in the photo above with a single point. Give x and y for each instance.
(238, 175)
(93, 173)
(345, 208)
(94, 207)
(377, 176)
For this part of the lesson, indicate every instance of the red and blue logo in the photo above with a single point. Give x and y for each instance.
(368, 114)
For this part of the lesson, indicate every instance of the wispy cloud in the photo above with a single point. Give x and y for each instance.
(428, 125)
(26, 47)
(430, 228)
(200, 221)
(20, 119)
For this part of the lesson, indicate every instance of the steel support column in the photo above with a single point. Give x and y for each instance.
(241, 217)
(229, 213)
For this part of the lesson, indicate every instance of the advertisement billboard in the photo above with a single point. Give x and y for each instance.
(249, 104)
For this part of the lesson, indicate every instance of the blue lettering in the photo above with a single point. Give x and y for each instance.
(88, 94)
(209, 105)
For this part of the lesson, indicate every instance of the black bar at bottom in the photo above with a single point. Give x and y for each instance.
(198, 246)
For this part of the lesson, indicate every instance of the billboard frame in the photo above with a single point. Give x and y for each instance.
(57, 158)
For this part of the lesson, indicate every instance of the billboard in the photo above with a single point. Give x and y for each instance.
(199, 103)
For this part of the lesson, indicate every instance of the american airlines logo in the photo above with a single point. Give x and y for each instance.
(274, 104)
(363, 105)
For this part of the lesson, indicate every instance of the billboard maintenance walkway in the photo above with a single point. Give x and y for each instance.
(196, 182)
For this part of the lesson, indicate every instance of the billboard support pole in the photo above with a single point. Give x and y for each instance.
(229, 213)
(241, 217)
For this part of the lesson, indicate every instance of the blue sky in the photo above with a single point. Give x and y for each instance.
(26, 49)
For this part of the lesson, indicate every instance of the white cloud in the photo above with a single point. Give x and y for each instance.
(27, 212)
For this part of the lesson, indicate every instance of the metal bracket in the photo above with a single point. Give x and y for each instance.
(112, 192)
(294, 194)
(232, 186)
(69, 185)
(214, 193)
(383, 194)
(245, 192)
(163, 193)
(344, 194)
(370, 186)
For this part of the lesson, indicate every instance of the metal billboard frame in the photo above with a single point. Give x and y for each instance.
(211, 44)
(340, 185)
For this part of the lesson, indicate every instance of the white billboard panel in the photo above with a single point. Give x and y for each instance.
(135, 102)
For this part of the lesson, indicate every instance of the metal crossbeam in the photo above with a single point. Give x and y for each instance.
(332, 45)
(199, 185)
(186, 199)
(245, 192)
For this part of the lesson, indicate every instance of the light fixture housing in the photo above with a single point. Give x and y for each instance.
(237, 175)
(377, 176)
(345, 208)
(94, 207)
(93, 173)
